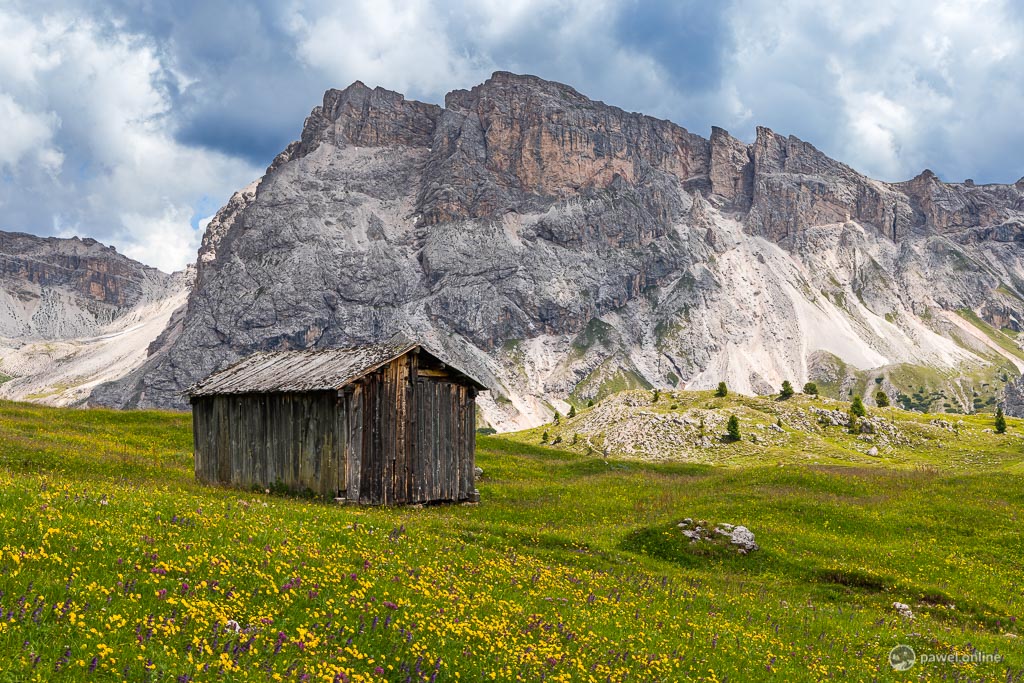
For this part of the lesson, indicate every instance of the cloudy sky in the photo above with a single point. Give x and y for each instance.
(133, 121)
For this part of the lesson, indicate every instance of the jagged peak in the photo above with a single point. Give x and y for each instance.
(502, 83)
(719, 133)
(359, 92)
(355, 85)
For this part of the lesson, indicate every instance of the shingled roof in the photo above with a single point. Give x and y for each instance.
(299, 371)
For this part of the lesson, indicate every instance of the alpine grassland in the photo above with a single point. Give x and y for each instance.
(115, 565)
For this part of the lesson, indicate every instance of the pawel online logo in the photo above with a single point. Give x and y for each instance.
(902, 657)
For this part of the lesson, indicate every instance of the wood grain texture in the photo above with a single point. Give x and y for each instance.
(402, 433)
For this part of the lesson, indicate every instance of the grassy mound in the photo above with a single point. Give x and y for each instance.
(116, 565)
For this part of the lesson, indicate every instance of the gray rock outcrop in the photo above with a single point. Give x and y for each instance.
(557, 245)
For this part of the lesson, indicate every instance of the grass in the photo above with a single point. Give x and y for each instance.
(605, 380)
(670, 429)
(1004, 342)
(116, 565)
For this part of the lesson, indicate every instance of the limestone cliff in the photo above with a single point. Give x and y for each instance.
(560, 248)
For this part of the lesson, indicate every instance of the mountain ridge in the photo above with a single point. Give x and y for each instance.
(75, 313)
(556, 245)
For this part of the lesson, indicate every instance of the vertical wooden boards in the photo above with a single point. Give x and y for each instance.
(409, 387)
(340, 445)
(468, 441)
(356, 442)
(403, 433)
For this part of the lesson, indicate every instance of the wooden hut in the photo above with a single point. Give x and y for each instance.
(381, 424)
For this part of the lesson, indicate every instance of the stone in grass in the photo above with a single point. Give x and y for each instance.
(743, 539)
(903, 610)
(739, 536)
(873, 451)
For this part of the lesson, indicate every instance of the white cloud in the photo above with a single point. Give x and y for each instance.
(90, 107)
(889, 87)
(27, 134)
(166, 242)
(401, 44)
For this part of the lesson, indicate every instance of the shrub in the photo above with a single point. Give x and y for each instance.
(655, 395)
(733, 428)
(544, 437)
(590, 403)
(787, 390)
(1000, 421)
(723, 390)
(558, 440)
(572, 411)
(811, 389)
(857, 407)
(881, 399)
(558, 417)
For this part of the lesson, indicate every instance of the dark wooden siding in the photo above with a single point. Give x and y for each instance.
(405, 433)
(269, 440)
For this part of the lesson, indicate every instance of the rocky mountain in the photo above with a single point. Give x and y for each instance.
(562, 248)
(74, 314)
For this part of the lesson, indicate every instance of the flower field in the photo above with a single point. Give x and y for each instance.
(116, 566)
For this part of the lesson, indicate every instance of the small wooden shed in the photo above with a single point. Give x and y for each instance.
(380, 424)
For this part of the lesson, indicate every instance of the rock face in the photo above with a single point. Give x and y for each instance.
(558, 246)
(94, 280)
(75, 313)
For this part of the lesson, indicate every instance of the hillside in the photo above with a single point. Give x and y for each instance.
(690, 426)
(116, 565)
(557, 246)
(74, 314)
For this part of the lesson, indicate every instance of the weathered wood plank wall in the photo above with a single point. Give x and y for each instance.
(402, 434)
(270, 440)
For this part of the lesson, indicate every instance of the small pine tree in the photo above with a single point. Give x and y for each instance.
(854, 424)
(723, 390)
(1000, 421)
(787, 390)
(544, 437)
(558, 417)
(811, 389)
(572, 411)
(590, 403)
(857, 407)
(655, 395)
(733, 427)
(881, 399)
(558, 440)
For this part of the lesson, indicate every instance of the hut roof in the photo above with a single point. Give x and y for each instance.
(299, 371)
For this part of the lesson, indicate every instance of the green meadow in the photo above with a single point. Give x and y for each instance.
(115, 565)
